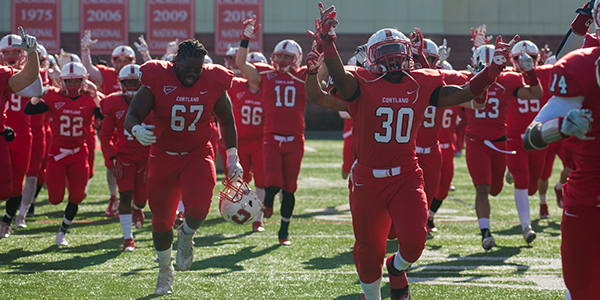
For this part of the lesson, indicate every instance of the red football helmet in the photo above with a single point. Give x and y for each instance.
(287, 47)
(389, 50)
(11, 54)
(238, 204)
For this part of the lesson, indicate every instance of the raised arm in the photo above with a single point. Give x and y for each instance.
(313, 88)
(86, 59)
(248, 69)
(31, 70)
(142, 48)
(534, 89)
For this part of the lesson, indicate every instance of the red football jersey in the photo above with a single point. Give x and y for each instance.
(489, 123)
(449, 120)
(387, 116)
(15, 117)
(5, 74)
(575, 75)
(110, 79)
(71, 119)
(181, 114)
(284, 100)
(247, 109)
(522, 111)
(113, 136)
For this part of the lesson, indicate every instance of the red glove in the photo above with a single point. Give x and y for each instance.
(478, 36)
(117, 168)
(328, 23)
(583, 20)
(317, 36)
(249, 28)
(502, 52)
(417, 42)
(314, 60)
(480, 82)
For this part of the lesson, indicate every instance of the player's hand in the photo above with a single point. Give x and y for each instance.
(93, 90)
(577, 123)
(361, 54)
(478, 36)
(250, 27)
(86, 41)
(444, 51)
(144, 134)
(117, 167)
(526, 62)
(328, 24)
(28, 42)
(583, 20)
(142, 46)
(314, 60)
(316, 35)
(545, 52)
(62, 58)
(234, 168)
(172, 47)
(502, 52)
(54, 73)
(417, 42)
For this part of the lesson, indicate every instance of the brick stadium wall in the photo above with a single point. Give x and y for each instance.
(318, 118)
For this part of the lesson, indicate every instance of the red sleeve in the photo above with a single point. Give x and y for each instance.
(107, 130)
(5, 74)
(151, 71)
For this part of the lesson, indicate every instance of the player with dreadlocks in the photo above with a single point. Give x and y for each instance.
(182, 96)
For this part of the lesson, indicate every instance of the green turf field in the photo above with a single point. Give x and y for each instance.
(232, 262)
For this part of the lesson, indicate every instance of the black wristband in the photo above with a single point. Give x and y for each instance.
(244, 43)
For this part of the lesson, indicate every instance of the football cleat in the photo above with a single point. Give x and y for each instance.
(113, 204)
(4, 229)
(257, 226)
(544, 214)
(138, 218)
(164, 283)
(31, 211)
(430, 226)
(60, 239)
(284, 242)
(559, 196)
(397, 276)
(185, 251)
(268, 211)
(179, 220)
(20, 222)
(128, 245)
(529, 235)
(509, 178)
(488, 241)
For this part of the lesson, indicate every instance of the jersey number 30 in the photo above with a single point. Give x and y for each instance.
(403, 126)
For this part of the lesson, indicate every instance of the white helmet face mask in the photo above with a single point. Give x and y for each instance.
(73, 70)
(238, 204)
(522, 47)
(11, 54)
(130, 73)
(286, 47)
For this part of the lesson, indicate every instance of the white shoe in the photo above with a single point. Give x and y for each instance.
(185, 251)
(20, 222)
(488, 242)
(60, 239)
(164, 283)
(4, 229)
(529, 235)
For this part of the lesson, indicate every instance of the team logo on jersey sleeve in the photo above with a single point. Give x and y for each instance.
(58, 105)
(120, 114)
(168, 89)
(271, 75)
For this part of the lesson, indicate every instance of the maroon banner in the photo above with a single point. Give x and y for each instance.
(108, 20)
(229, 16)
(39, 18)
(167, 21)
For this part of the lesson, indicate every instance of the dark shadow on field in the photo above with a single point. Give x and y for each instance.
(75, 261)
(54, 224)
(537, 227)
(327, 263)
(227, 261)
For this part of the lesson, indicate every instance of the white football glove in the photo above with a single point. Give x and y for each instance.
(526, 62)
(577, 123)
(444, 51)
(86, 41)
(142, 47)
(28, 42)
(234, 167)
(144, 134)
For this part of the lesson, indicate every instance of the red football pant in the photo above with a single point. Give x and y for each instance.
(20, 152)
(42, 174)
(431, 164)
(347, 154)
(282, 161)
(251, 159)
(6, 177)
(579, 249)
(91, 148)
(525, 166)
(374, 204)
(552, 150)
(486, 165)
(447, 173)
(38, 151)
(74, 168)
(190, 177)
(134, 176)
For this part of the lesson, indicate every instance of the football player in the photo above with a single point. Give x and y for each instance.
(182, 96)
(385, 132)
(72, 109)
(283, 103)
(128, 158)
